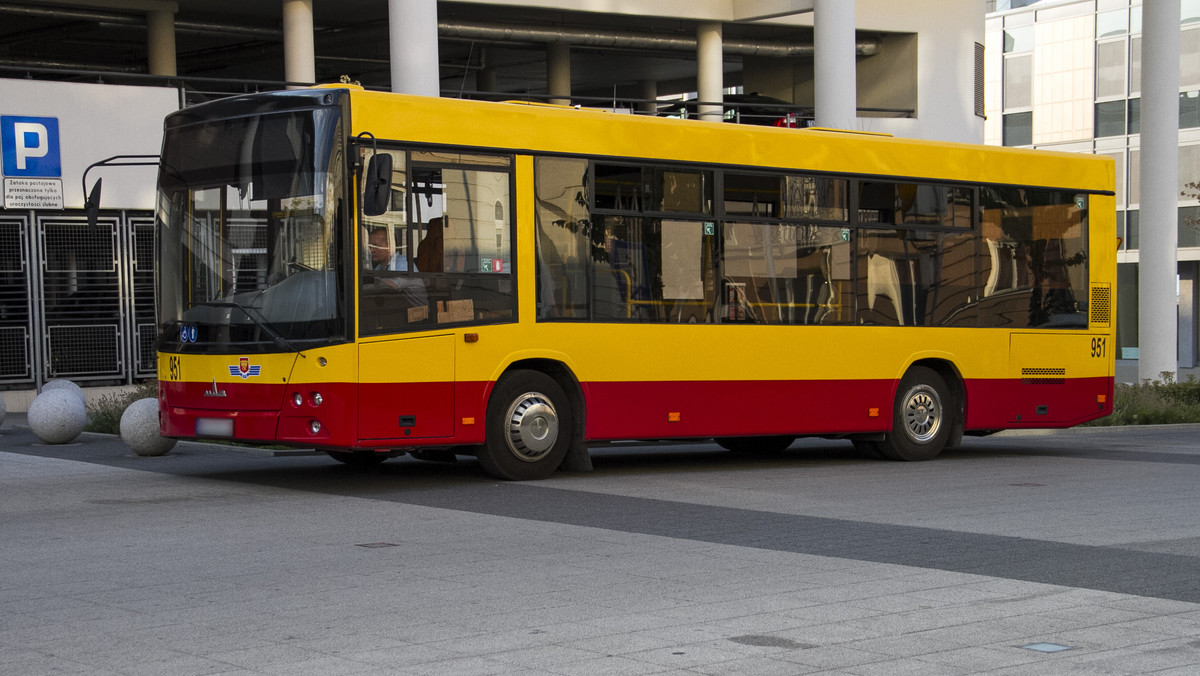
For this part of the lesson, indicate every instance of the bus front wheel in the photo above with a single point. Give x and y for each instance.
(528, 427)
(921, 418)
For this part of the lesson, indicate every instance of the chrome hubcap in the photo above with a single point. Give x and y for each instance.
(532, 426)
(922, 414)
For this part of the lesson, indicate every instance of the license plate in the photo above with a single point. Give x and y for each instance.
(214, 427)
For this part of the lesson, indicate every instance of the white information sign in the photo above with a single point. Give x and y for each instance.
(33, 193)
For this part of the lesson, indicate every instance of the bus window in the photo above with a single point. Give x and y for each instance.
(443, 252)
(785, 274)
(815, 198)
(639, 189)
(1036, 268)
(564, 249)
(752, 195)
(654, 270)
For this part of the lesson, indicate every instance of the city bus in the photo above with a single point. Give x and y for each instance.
(372, 274)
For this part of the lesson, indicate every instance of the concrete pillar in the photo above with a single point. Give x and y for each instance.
(160, 42)
(710, 70)
(299, 54)
(558, 73)
(412, 33)
(648, 93)
(834, 82)
(1157, 308)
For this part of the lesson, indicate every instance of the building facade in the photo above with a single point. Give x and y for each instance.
(1066, 75)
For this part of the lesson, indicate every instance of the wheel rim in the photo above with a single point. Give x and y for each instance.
(922, 414)
(532, 426)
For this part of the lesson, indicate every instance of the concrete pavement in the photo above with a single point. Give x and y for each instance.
(1076, 552)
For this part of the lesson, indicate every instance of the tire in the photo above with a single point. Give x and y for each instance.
(923, 417)
(529, 427)
(755, 446)
(359, 458)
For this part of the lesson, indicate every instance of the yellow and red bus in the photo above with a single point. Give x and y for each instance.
(371, 274)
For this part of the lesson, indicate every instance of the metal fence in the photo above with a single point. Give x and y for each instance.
(76, 301)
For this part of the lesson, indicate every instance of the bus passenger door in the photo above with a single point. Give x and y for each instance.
(406, 389)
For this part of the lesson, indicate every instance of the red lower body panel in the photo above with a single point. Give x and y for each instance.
(353, 416)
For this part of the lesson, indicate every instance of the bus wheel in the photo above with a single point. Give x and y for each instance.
(359, 458)
(759, 446)
(921, 418)
(528, 427)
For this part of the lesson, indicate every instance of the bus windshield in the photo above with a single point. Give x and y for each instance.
(249, 209)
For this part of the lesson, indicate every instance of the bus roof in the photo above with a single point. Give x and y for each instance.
(560, 129)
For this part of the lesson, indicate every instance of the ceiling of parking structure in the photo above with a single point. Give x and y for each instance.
(236, 39)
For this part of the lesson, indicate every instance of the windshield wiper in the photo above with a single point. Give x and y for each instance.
(279, 340)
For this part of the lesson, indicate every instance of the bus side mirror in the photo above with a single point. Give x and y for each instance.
(377, 185)
(93, 204)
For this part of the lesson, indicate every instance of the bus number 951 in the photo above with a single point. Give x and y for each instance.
(1098, 346)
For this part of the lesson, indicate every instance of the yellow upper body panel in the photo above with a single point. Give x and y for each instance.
(553, 129)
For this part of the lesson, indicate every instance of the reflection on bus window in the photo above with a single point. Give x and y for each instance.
(910, 277)
(442, 253)
(786, 274)
(1035, 268)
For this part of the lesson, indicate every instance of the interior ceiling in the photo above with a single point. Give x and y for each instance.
(237, 39)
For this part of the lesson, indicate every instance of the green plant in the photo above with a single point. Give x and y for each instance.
(105, 414)
(1154, 402)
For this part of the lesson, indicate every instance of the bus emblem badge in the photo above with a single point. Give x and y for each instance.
(244, 369)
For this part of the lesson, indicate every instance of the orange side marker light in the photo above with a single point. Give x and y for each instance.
(673, 416)
(872, 413)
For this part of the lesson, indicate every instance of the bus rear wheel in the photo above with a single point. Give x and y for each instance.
(922, 417)
(528, 427)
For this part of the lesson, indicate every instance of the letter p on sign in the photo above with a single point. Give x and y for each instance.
(30, 146)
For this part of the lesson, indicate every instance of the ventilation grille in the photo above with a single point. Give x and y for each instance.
(1100, 306)
(979, 111)
(1051, 376)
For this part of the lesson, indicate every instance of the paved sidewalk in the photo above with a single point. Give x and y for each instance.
(677, 560)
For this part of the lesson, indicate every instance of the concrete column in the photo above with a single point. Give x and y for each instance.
(299, 54)
(710, 70)
(160, 42)
(648, 93)
(1157, 269)
(835, 84)
(412, 32)
(558, 73)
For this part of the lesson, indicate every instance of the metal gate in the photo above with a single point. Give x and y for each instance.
(76, 301)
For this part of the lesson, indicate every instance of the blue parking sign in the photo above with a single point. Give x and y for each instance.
(30, 146)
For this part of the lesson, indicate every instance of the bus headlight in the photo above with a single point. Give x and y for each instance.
(297, 399)
(315, 399)
(314, 426)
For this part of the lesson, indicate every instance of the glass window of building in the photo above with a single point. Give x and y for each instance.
(1189, 166)
(1018, 129)
(1135, 116)
(1189, 58)
(1018, 81)
(1189, 109)
(1018, 39)
(1189, 11)
(1135, 64)
(1109, 24)
(1135, 176)
(1110, 69)
(1110, 118)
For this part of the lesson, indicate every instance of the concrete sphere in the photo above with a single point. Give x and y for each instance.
(57, 416)
(139, 429)
(67, 385)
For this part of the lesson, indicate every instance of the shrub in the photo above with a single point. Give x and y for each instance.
(1157, 402)
(105, 415)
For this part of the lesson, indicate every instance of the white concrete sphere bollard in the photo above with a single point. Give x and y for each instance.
(139, 429)
(66, 385)
(57, 416)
